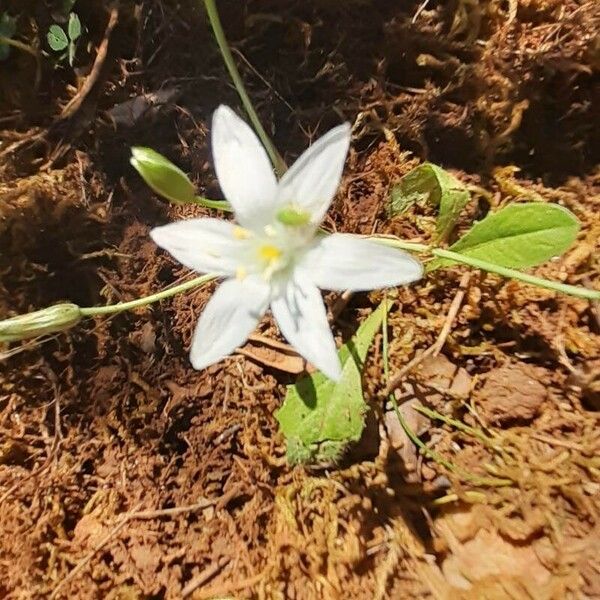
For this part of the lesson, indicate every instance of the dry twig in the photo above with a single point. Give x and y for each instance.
(437, 346)
(204, 576)
(75, 103)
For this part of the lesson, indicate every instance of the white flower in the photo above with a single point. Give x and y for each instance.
(275, 256)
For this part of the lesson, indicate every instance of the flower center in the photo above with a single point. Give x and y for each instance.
(271, 258)
(273, 251)
(269, 253)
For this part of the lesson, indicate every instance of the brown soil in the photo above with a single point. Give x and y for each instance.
(126, 474)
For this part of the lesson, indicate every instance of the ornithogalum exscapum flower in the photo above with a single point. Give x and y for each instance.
(274, 255)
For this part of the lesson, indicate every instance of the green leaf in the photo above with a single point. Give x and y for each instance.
(320, 417)
(165, 178)
(57, 38)
(428, 182)
(519, 236)
(8, 27)
(74, 27)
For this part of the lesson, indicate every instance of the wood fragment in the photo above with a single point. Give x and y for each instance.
(205, 576)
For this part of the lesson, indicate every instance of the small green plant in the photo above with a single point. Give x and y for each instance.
(60, 40)
(275, 255)
(8, 27)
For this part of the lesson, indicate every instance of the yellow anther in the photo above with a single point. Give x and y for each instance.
(269, 253)
(239, 233)
(241, 272)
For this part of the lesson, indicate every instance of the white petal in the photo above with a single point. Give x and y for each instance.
(313, 179)
(343, 261)
(243, 169)
(228, 319)
(301, 316)
(204, 245)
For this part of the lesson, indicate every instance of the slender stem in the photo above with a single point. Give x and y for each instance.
(29, 50)
(215, 21)
(573, 290)
(19, 45)
(93, 311)
(216, 204)
(474, 262)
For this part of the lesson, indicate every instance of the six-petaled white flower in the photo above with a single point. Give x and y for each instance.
(275, 256)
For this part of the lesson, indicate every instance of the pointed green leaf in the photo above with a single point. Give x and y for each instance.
(428, 182)
(74, 27)
(320, 417)
(519, 235)
(57, 38)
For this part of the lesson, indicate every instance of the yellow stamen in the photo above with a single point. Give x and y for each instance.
(240, 273)
(269, 252)
(239, 233)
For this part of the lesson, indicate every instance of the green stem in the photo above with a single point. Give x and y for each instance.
(94, 311)
(477, 263)
(433, 414)
(216, 204)
(215, 22)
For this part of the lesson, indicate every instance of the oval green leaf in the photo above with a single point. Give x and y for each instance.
(74, 27)
(57, 38)
(520, 235)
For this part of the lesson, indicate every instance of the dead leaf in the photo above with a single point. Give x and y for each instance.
(128, 113)
(273, 354)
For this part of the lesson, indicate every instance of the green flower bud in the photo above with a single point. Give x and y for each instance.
(48, 320)
(162, 175)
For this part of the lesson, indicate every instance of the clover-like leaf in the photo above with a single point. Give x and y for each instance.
(57, 38)
(74, 27)
(320, 417)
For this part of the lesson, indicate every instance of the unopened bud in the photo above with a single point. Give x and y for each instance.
(165, 178)
(48, 320)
